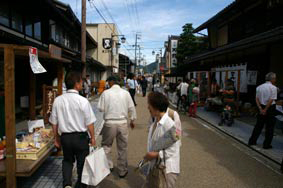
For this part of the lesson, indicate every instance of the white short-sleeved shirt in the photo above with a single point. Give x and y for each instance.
(265, 92)
(72, 113)
(183, 87)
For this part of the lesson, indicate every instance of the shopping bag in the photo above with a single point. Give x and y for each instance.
(95, 167)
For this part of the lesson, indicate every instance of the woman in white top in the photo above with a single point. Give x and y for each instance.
(157, 105)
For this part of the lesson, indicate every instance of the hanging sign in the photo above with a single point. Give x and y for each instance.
(35, 65)
(107, 43)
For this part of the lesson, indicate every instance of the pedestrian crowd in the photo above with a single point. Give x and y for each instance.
(72, 120)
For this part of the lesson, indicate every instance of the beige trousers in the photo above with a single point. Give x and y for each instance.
(120, 132)
(171, 179)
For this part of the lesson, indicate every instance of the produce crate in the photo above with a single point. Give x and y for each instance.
(34, 155)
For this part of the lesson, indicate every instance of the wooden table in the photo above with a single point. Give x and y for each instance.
(25, 168)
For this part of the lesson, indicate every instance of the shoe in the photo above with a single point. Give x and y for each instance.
(68, 186)
(111, 169)
(251, 143)
(267, 147)
(123, 176)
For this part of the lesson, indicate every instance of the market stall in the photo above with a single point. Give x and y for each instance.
(24, 157)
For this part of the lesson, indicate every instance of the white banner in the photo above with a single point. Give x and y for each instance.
(35, 65)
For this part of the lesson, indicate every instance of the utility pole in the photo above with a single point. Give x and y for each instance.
(136, 52)
(83, 38)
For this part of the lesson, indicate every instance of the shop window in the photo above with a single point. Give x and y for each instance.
(28, 28)
(37, 30)
(17, 22)
(4, 15)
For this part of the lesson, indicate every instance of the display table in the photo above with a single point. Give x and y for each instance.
(27, 167)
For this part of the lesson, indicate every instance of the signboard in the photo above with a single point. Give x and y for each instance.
(55, 52)
(107, 43)
(35, 65)
(161, 68)
(49, 95)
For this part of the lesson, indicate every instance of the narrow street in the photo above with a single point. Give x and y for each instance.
(207, 159)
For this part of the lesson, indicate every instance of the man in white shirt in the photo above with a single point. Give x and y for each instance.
(266, 94)
(183, 87)
(72, 117)
(118, 107)
(132, 84)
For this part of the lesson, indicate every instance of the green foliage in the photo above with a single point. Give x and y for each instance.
(189, 44)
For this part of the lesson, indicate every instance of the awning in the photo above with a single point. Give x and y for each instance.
(270, 36)
(24, 51)
(95, 64)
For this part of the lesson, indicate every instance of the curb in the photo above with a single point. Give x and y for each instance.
(239, 140)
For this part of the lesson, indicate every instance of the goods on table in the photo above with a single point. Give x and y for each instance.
(34, 145)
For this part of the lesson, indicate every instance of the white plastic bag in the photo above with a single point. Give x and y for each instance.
(95, 168)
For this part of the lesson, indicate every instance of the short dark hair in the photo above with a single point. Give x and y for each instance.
(158, 101)
(72, 78)
(115, 78)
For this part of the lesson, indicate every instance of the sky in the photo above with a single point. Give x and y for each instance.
(152, 20)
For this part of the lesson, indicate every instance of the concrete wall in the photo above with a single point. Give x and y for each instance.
(98, 32)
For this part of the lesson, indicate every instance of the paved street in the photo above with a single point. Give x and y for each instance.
(208, 159)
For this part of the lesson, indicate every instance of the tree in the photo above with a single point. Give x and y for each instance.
(189, 44)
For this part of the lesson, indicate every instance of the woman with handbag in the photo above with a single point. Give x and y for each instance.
(165, 163)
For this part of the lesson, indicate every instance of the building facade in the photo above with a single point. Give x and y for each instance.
(108, 57)
(245, 41)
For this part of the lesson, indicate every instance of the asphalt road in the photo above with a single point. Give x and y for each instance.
(208, 159)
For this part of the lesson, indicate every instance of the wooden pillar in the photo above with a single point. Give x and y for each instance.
(32, 95)
(9, 77)
(226, 78)
(60, 77)
(238, 91)
(209, 84)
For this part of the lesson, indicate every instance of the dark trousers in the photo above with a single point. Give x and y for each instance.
(75, 146)
(132, 93)
(269, 121)
(178, 101)
(143, 92)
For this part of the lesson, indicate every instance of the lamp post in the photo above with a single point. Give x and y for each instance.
(117, 45)
(159, 60)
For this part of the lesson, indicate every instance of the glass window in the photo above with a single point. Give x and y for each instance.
(52, 29)
(4, 15)
(28, 28)
(17, 22)
(37, 30)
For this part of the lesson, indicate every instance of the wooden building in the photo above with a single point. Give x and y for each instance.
(54, 30)
(246, 33)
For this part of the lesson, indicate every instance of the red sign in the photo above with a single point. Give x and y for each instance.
(33, 51)
(162, 68)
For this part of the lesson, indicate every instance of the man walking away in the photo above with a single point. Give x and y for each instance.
(266, 94)
(72, 117)
(118, 107)
(143, 86)
(132, 88)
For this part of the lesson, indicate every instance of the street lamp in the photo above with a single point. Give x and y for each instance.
(123, 40)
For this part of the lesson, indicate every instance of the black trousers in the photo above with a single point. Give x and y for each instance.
(269, 121)
(75, 146)
(132, 93)
(144, 91)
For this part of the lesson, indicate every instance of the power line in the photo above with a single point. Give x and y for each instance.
(93, 6)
